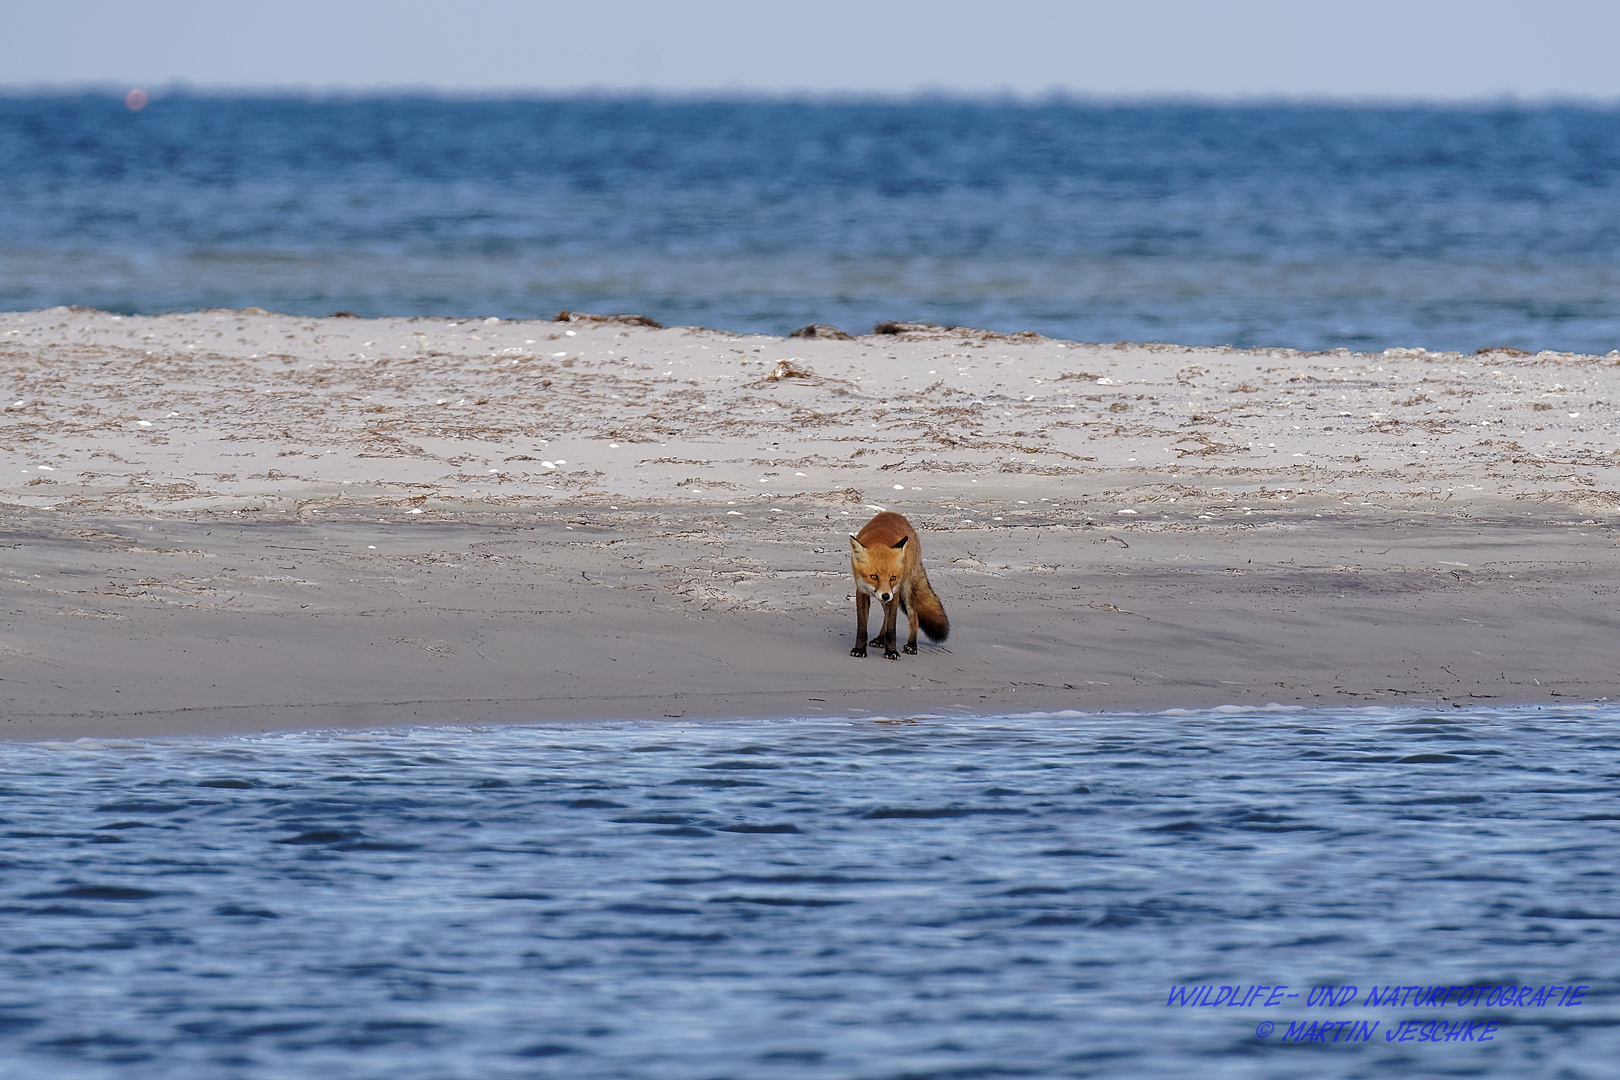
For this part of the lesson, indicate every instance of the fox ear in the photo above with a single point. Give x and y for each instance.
(856, 546)
(902, 543)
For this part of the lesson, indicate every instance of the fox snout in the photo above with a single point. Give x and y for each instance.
(885, 597)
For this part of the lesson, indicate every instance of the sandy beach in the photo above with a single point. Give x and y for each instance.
(239, 521)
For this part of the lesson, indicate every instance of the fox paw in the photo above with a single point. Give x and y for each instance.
(890, 654)
(859, 650)
(910, 650)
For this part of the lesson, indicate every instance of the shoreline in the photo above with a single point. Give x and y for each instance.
(231, 522)
(1313, 716)
(211, 625)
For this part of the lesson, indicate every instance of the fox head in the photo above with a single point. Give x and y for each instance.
(878, 569)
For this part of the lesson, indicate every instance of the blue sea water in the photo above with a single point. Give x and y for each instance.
(1303, 226)
(923, 898)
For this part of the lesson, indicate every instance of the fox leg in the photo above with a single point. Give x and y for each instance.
(890, 610)
(863, 608)
(911, 641)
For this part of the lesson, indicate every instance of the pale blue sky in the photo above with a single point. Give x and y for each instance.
(1433, 49)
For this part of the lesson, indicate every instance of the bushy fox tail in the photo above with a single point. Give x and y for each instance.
(930, 612)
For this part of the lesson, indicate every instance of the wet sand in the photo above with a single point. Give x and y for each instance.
(236, 521)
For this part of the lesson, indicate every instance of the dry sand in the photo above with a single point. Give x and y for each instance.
(241, 521)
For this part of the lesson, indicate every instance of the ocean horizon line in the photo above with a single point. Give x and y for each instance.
(922, 96)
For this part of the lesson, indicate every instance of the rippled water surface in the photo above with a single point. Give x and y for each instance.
(934, 897)
(1302, 226)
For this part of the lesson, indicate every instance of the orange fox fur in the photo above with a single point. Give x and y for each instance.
(886, 558)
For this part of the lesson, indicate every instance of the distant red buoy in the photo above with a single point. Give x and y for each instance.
(136, 99)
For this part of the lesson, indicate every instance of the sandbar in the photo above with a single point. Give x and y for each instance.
(238, 521)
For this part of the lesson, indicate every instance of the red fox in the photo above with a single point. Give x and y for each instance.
(886, 557)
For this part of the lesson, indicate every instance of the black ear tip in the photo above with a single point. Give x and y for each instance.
(902, 542)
